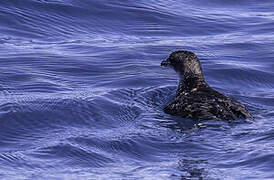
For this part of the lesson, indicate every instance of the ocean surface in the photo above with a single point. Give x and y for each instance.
(82, 90)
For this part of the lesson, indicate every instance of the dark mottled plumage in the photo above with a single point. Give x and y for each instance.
(195, 99)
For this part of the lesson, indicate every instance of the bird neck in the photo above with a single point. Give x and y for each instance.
(191, 81)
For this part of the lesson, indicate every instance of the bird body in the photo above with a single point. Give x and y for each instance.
(195, 99)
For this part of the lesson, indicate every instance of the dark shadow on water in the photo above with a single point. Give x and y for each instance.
(191, 169)
(176, 122)
(183, 124)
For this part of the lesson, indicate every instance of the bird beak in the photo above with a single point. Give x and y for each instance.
(165, 62)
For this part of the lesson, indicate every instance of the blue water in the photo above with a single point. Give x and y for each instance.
(82, 90)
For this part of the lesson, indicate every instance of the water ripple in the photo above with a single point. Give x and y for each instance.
(82, 90)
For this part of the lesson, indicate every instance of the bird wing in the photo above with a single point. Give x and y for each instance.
(239, 109)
